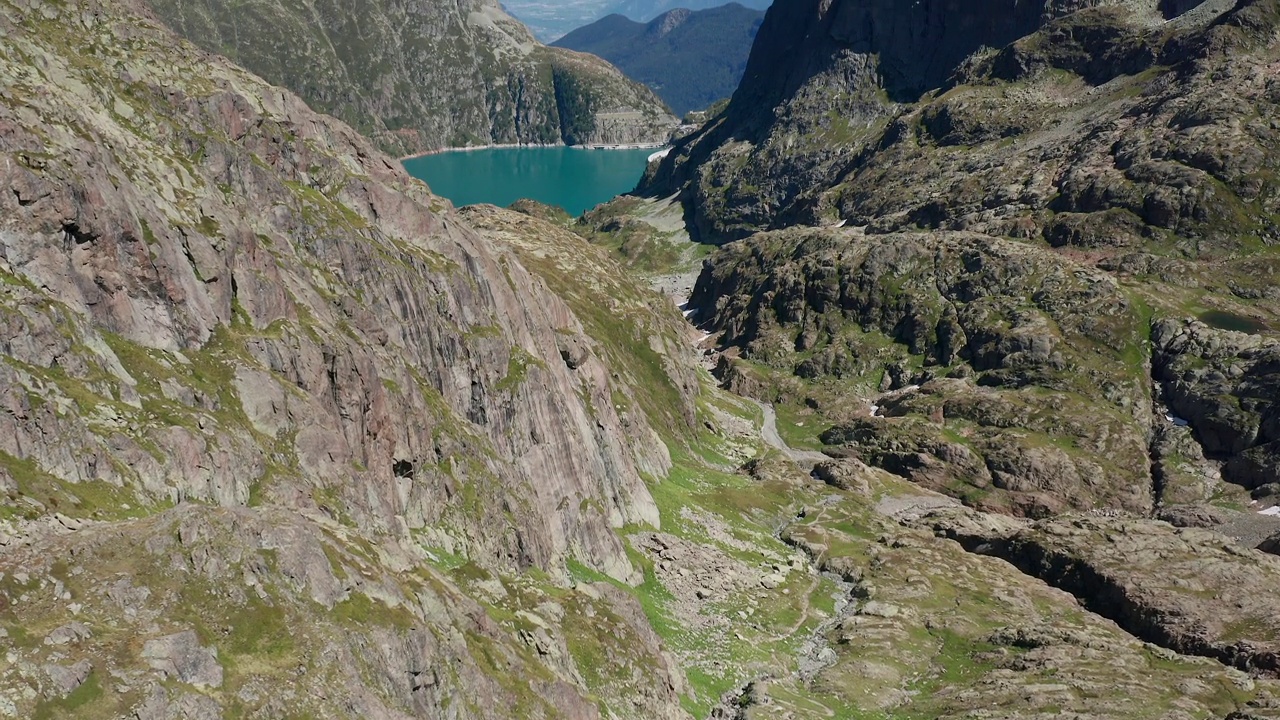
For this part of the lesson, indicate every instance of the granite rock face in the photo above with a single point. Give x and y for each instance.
(340, 326)
(419, 75)
(228, 322)
(180, 657)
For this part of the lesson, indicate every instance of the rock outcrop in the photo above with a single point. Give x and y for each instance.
(419, 76)
(1017, 377)
(1107, 161)
(1224, 383)
(1188, 590)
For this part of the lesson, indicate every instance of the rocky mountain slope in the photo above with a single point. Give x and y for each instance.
(418, 76)
(1022, 256)
(284, 435)
(1080, 213)
(268, 404)
(690, 58)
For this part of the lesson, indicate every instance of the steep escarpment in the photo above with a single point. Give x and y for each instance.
(419, 76)
(1179, 588)
(255, 378)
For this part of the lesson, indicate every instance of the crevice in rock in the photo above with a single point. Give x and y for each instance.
(402, 469)
(1159, 480)
(72, 232)
(1114, 599)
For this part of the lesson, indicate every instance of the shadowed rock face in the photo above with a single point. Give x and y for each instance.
(907, 48)
(1224, 384)
(834, 92)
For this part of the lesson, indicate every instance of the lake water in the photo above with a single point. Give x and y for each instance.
(1231, 321)
(575, 179)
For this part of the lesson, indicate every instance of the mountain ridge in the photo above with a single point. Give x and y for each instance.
(383, 71)
(690, 58)
(645, 11)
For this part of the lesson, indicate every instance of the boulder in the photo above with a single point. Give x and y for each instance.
(181, 657)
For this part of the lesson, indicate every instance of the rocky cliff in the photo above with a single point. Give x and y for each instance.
(421, 75)
(257, 379)
(994, 335)
(837, 95)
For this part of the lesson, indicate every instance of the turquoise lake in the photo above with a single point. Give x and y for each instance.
(575, 179)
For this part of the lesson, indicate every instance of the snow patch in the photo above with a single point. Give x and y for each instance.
(660, 154)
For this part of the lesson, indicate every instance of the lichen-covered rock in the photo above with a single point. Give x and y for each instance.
(1224, 383)
(180, 657)
(1190, 590)
(66, 678)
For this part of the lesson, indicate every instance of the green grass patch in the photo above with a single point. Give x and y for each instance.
(74, 704)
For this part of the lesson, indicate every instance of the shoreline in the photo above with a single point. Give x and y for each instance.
(500, 146)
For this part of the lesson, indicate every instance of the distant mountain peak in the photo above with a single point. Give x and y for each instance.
(691, 58)
(668, 21)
